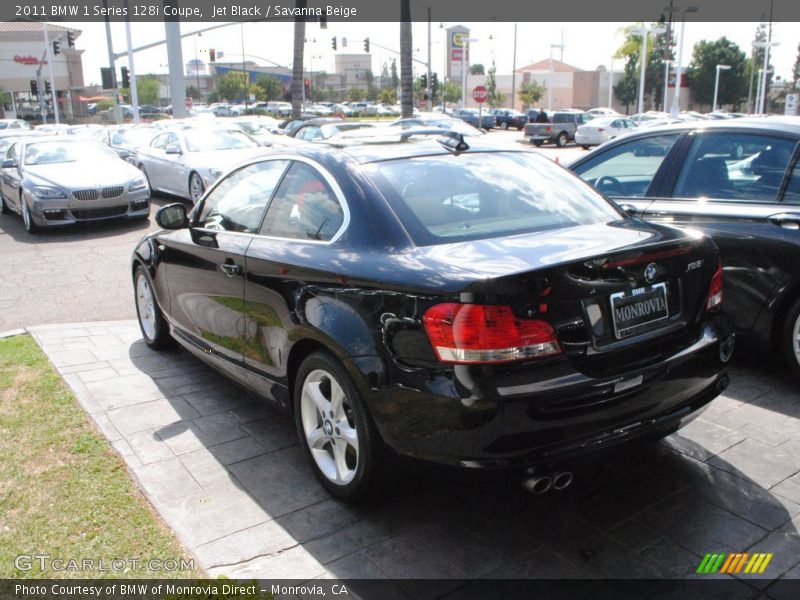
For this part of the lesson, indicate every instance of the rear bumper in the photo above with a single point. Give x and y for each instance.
(483, 418)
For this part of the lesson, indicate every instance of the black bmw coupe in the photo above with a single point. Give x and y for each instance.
(397, 297)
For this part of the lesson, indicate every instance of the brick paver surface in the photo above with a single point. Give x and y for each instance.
(226, 473)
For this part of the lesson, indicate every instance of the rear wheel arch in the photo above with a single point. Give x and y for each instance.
(785, 302)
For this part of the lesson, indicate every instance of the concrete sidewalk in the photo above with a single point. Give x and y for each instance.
(227, 475)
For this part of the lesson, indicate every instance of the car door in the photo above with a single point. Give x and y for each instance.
(206, 269)
(729, 186)
(306, 215)
(153, 159)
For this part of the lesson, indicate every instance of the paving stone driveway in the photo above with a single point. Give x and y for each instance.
(225, 472)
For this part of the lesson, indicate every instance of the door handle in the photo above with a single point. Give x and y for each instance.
(788, 220)
(230, 268)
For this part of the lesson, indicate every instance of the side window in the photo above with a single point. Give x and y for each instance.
(792, 193)
(11, 153)
(312, 132)
(160, 142)
(628, 169)
(239, 201)
(304, 207)
(734, 166)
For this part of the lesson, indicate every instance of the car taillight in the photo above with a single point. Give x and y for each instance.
(601, 130)
(714, 298)
(549, 130)
(477, 333)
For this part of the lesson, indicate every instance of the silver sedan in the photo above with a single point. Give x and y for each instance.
(186, 162)
(63, 180)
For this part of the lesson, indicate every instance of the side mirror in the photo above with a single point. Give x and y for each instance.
(172, 216)
(173, 150)
(9, 163)
(630, 209)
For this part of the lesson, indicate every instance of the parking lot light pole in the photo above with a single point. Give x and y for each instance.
(644, 31)
(761, 98)
(716, 84)
(676, 98)
(550, 79)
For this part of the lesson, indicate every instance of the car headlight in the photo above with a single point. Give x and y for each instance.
(215, 173)
(48, 192)
(140, 183)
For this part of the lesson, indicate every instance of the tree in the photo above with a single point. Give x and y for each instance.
(355, 94)
(657, 48)
(372, 91)
(452, 91)
(406, 49)
(387, 96)
(703, 69)
(297, 58)
(476, 69)
(796, 69)
(626, 89)
(192, 92)
(270, 86)
(147, 89)
(394, 76)
(230, 86)
(530, 92)
(495, 98)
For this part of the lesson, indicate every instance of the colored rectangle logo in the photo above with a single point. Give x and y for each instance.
(733, 563)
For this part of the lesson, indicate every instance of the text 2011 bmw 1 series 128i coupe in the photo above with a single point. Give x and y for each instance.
(397, 297)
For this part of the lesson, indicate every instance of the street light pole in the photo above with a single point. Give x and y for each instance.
(761, 96)
(645, 31)
(676, 98)
(716, 84)
(550, 79)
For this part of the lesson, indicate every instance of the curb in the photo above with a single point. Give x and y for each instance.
(12, 333)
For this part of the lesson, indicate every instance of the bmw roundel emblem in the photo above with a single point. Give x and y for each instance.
(650, 273)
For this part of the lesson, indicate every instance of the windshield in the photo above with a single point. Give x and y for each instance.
(204, 140)
(447, 198)
(45, 153)
(133, 137)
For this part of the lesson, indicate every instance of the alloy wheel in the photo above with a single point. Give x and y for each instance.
(196, 188)
(329, 427)
(146, 305)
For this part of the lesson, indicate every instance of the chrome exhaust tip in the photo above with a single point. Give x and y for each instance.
(562, 480)
(726, 348)
(537, 485)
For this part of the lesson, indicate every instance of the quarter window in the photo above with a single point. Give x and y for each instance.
(304, 207)
(239, 201)
(734, 166)
(792, 193)
(628, 170)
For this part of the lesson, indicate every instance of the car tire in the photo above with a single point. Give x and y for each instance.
(585, 146)
(196, 188)
(536, 143)
(561, 140)
(339, 438)
(152, 323)
(790, 341)
(503, 125)
(3, 206)
(27, 218)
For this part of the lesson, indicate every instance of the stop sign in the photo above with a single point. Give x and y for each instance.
(187, 102)
(480, 94)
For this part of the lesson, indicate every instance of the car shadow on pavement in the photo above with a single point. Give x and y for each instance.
(226, 472)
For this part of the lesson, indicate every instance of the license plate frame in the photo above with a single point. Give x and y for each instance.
(631, 327)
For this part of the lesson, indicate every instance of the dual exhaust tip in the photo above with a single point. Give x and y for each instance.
(544, 483)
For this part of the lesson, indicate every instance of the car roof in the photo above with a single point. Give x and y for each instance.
(776, 124)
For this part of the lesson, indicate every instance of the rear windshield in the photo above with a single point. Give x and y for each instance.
(449, 198)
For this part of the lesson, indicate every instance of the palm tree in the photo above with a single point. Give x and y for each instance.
(406, 75)
(297, 61)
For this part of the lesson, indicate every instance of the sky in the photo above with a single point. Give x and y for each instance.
(586, 45)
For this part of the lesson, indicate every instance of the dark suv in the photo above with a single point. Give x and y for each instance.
(737, 180)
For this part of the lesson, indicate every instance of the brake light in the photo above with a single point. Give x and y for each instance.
(549, 130)
(601, 130)
(477, 333)
(714, 299)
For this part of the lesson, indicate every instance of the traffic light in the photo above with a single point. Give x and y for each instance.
(34, 87)
(212, 55)
(424, 80)
(333, 42)
(434, 82)
(70, 39)
(126, 78)
(47, 89)
(107, 77)
(56, 47)
(366, 45)
(307, 87)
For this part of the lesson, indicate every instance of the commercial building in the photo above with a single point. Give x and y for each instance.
(23, 58)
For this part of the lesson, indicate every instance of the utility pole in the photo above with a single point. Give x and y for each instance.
(111, 63)
(53, 91)
(514, 72)
(131, 69)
